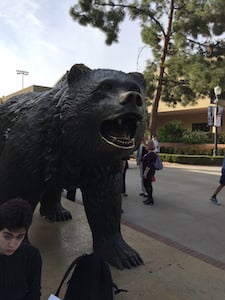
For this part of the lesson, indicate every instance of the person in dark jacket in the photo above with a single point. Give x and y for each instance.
(149, 171)
(20, 262)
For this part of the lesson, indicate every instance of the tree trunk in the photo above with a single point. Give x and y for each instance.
(155, 104)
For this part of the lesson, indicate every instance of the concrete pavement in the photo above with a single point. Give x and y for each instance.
(181, 238)
(182, 210)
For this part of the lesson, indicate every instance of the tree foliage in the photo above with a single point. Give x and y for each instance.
(186, 39)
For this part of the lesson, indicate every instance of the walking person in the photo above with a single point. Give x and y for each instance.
(125, 166)
(139, 157)
(149, 171)
(71, 194)
(20, 262)
(221, 185)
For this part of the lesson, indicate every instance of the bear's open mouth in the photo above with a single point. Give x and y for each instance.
(120, 131)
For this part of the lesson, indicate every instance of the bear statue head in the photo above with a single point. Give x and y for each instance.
(108, 107)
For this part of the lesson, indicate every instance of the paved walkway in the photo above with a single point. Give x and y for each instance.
(180, 238)
(182, 210)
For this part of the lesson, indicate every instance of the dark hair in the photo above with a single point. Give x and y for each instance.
(15, 213)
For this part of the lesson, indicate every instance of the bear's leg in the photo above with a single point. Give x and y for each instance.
(51, 207)
(102, 202)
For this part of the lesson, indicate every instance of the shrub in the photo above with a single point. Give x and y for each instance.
(192, 159)
(196, 137)
(174, 132)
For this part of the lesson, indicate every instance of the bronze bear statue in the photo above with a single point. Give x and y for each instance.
(75, 134)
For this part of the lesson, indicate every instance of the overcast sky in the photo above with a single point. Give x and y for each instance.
(40, 37)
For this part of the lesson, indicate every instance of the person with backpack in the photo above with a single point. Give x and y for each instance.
(149, 171)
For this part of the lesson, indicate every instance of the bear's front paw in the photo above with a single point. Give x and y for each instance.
(118, 253)
(57, 214)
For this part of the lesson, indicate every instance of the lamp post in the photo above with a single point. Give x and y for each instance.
(217, 92)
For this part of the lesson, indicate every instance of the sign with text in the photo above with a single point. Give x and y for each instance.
(215, 115)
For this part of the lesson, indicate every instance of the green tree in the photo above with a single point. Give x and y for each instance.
(185, 38)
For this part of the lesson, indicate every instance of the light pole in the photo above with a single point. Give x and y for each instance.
(21, 72)
(217, 92)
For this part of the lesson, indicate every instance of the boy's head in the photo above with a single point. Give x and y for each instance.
(15, 213)
(15, 220)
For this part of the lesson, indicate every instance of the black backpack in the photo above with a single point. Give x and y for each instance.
(91, 280)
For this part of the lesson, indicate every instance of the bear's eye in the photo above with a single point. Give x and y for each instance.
(106, 86)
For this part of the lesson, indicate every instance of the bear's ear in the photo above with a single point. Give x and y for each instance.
(140, 79)
(76, 72)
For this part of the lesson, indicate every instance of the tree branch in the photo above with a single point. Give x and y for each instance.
(139, 10)
(197, 43)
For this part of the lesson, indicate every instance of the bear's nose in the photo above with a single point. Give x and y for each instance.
(131, 97)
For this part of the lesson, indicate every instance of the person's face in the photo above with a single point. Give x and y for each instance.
(150, 146)
(11, 240)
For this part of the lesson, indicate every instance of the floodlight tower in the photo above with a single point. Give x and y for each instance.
(21, 72)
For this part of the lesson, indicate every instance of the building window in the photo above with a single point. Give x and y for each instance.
(200, 127)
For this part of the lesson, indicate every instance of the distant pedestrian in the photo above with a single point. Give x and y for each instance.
(149, 171)
(220, 186)
(139, 157)
(125, 166)
(71, 194)
(156, 143)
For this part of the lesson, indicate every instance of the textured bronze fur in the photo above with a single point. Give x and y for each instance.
(51, 140)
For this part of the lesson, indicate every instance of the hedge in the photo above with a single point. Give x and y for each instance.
(192, 159)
